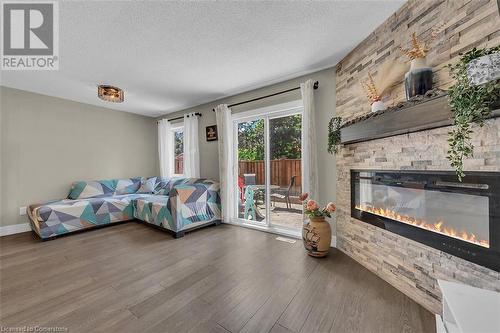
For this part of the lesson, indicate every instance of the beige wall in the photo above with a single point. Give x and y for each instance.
(47, 143)
(325, 109)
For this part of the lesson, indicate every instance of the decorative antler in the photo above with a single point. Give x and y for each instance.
(420, 48)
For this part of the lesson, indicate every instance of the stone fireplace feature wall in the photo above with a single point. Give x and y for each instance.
(411, 267)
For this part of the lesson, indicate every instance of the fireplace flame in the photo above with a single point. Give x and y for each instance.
(438, 227)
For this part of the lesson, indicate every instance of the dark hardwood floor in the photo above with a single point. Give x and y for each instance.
(132, 278)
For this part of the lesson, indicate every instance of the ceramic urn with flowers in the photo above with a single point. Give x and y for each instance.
(316, 234)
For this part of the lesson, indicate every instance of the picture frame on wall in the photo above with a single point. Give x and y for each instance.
(212, 133)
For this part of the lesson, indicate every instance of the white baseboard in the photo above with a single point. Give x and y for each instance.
(14, 229)
(334, 241)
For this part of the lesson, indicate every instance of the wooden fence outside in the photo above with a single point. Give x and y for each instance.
(282, 171)
(179, 164)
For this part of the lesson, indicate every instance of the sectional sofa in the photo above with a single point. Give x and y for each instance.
(172, 204)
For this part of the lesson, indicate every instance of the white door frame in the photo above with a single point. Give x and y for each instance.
(266, 113)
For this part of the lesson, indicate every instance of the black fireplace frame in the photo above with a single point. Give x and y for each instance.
(443, 181)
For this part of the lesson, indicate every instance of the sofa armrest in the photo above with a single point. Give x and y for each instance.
(190, 203)
(34, 217)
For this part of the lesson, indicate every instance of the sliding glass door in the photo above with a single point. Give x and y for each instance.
(267, 152)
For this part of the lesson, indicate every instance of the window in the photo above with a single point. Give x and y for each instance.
(178, 133)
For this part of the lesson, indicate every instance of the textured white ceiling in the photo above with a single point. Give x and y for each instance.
(168, 56)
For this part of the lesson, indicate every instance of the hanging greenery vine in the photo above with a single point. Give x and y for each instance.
(334, 135)
(470, 104)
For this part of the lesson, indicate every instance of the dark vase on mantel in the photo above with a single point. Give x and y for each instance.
(418, 80)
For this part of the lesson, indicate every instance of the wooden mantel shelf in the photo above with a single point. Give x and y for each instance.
(430, 114)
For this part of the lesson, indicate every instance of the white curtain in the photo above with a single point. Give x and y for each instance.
(165, 148)
(227, 184)
(191, 146)
(309, 159)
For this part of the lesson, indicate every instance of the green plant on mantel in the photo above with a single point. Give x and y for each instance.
(334, 135)
(470, 104)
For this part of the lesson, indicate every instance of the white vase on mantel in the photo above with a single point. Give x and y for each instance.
(418, 63)
(378, 106)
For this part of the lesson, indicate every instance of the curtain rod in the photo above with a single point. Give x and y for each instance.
(182, 117)
(315, 86)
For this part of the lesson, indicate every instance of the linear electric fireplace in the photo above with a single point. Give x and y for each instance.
(434, 208)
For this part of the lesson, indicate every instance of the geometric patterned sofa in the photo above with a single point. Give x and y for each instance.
(172, 204)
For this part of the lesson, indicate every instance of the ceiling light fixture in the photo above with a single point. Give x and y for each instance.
(110, 93)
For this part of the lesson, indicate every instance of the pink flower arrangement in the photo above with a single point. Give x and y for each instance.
(331, 207)
(312, 205)
(312, 209)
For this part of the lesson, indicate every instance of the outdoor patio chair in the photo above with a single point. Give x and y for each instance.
(284, 194)
(250, 178)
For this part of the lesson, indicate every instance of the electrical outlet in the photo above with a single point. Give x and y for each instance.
(22, 211)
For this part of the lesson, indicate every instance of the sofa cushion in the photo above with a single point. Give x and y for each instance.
(162, 186)
(165, 185)
(92, 189)
(147, 185)
(128, 186)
